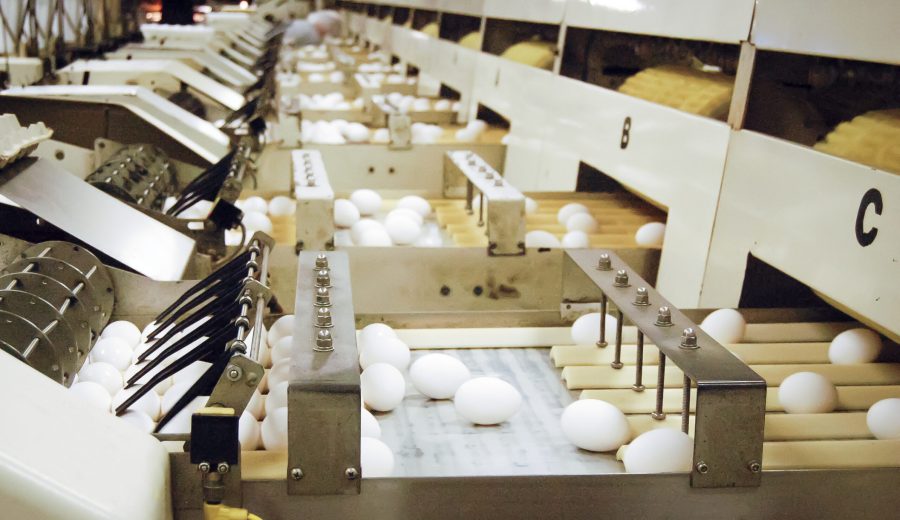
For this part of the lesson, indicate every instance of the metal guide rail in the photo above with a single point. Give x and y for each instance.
(224, 180)
(315, 201)
(139, 174)
(730, 403)
(54, 301)
(324, 390)
(505, 204)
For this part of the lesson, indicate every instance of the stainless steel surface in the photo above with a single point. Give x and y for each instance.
(730, 396)
(324, 390)
(98, 219)
(236, 385)
(315, 201)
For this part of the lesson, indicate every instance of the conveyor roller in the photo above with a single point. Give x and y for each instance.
(139, 174)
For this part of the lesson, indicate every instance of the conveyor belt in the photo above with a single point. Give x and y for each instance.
(691, 90)
(872, 138)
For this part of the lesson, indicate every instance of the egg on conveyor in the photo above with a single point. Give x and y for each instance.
(369, 426)
(650, 234)
(726, 326)
(277, 397)
(139, 420)
(586, 329)
(181, 422)
(477, 126)
(374, 331)
(381, 136)
(438, 376)
(345, 213)
(363, 227)
(487, 400)
(257, 204)
(283, 326)
(807, 392)
(124, 330)
(382, 387)
(464, 135)
(274, 430)
(368, 202)
(541, 239)
(256, 406)
(104, 374)
(248, 431)
(255, 221)
(883, 419)
(854, 346)
(92, 393)
(356, 133)
(663, 450)
(582, 222)
(172, 396)
(402, 229)
(406, 213)
(562, 216)
(113, 350)
(282, 206)
(442, 105)
(191, 373)
(279, 373)
(576, 240)
(376, 237)
(531, 206)
(392, 351)
(595, 425)
(160, 387)
(375, 458)
(283, 349)
(148, 403)
(415, 203)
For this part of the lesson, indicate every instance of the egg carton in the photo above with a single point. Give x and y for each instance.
(17, 141)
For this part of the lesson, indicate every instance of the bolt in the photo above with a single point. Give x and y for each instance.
(323, 297)
(488, 175)
(604, 264)
(203, 467)
(702, 468)
(689, 339)
(323, 317)
(642, 299)
(296, 473)
(234, 373)
(324, 341)
(351, 473)
(754, 466)
(498, 183)
(223, 468)
(664, 317)
(323, 279)
(621, 279)
(321, 262)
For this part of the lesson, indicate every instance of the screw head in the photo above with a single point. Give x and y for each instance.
(642, 298)
(296, 473)
(498, 183)
(621, 278)
(321, 261)
(664, 317)
(223, 468)
(323, 317)
(323, 297)
(351, 473)
(604, 263)
(702, 468)
(754, 466)
(324, 341)
(689, 339)
(323, 278)
(234, 373)
(203, 467)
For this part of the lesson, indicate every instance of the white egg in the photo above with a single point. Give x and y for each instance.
(807, 392)
(456, 106)
(149, 403)
(172, 396)
(401, 229)
(92, 393)
(280, 372)
(381, 136)
(438, 376)
(650, 234)
(336, 77)
(256, 406)
(369, 426)
(531, 206)
(477, 125)
(570, 209)
(368, 202)
(257, 204)
(316, 77)
(345, 213)
(541, 239)
(113, 350)
(124, 330)
(375, 458)
(883, 419)
(582, 222)
(854, 346)
(363, 226)
(385, 350)
(464, 135)
(417, 204)
(160, 387)
(283, 349)
(374, 331)
(487, 400)
(181, 422)
(277, 397)
(382, 387)
(406, 213)
(282, 206)
(595, 425)
(274, 430)
(442, 105)
(255, 221)
(576, 240)
(421, 105)
(356, 133)
(586, 329)
(663, 450)
(139, 420)
(104, 374)
(375, 238)
(191, 373)
(283, 326)
(232, 238)
(358, 103)
(248, 432)
(394, 98)
(726, 326)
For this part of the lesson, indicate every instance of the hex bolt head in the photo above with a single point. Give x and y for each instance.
(321, 262)
(604, 263)
(323, 297)
(351, 473)
(323, 317)
(324, 341)
(488, 175)
(223, 468)
(702, 468)
(689, 339)
(234, 373)
(296, 473)
(203, 467)
(642, 297)
(323, 278)
(664, 317)
(498, 183)
(621, 279)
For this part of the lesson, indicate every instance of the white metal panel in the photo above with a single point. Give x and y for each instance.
(541, 11)
(707, 20)
(63, 459)
(796, 209)
(469, 7)
(454, 65)
(857, 30)
(376, 30)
